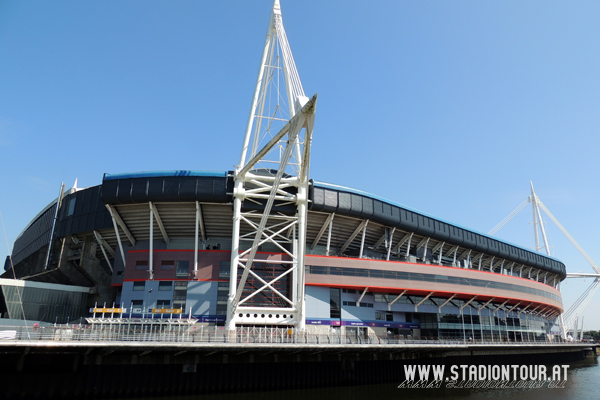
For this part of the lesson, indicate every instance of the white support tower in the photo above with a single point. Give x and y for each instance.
(270, 195)
(568, 319)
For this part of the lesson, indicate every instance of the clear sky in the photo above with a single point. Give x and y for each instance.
(447, 107)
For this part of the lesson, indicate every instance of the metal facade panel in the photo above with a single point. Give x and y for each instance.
(513, 253)
(503, 250)
(331, 201)
(317, 195)
(109, 192)
(156, 189)
(170, 189)
(139, 190)
(493, 247)
(386, 214)
(456, 235)
(425, 225)
(481, 243)
(523, 256)
(408, 220)
(124, 192)
(356, 205)
(469, 239)
(442, 231)
(187, 188)
(367, 208)
(344, 203)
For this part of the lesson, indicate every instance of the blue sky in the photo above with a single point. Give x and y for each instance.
(447, 107)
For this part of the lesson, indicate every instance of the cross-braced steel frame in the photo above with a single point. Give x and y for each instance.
(270, 196)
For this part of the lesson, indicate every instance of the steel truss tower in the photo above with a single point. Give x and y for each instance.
(270, 196)
(568, 319)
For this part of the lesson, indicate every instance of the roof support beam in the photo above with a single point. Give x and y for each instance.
(423, 242)
(328, 248)
(396, 299)
(437, 247)
(118, 235)
(116, 217)
(423, 301)
(488, 302)
(515, 306)
(446, 302)
(467, 303)
(523, 310)
(501, 305)
(322, 231)
(101, 242)
(353, 236)
(361, 297)
(405, 238)
(389, 250)
(159, 222)
(200, 221)
(362, 241)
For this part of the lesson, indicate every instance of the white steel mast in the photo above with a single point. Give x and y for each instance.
(270, 196)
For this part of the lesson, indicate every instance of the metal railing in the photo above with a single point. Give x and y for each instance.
(242, 335)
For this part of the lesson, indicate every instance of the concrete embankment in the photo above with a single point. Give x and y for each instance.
(63, 369)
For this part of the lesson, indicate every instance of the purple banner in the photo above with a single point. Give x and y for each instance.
(373, 324)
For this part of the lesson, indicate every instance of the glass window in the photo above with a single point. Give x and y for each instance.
(136, 306)
(71, 208)
(163, 303)
(165, 285)
(167, 265)
(225, 269)
(141, 264)
(138, 286)
(334, 303)
(183, 269)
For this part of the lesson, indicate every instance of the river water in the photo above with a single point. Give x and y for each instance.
(583, 383)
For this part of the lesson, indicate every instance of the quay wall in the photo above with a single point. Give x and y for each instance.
(57, 370)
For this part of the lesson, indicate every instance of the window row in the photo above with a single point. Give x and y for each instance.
(414, 276)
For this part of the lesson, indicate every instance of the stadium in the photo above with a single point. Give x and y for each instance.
(307, 255)
(372, 266)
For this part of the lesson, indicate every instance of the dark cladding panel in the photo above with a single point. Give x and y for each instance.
(425, 225)
(503, 250)
(493, 247)
(155, 189)
(139, 190)
(541, 260)
(95, 203)
(408, 220)
(124, 193)
(171, 188)
(384, 213)
(344, 205)
(456, 235)
(78, 196)
(513, 254)
(395, 219)
(481, 243)
(85, 198)
(356, 204)
(531, 259)
(523, 256)
(331, 201)
(187, 188)
(562, 270)
(318, 199)
(442, 230)
(82, 223)
(110, 190)
(212, 190)
(470, 240)
(367, 208)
